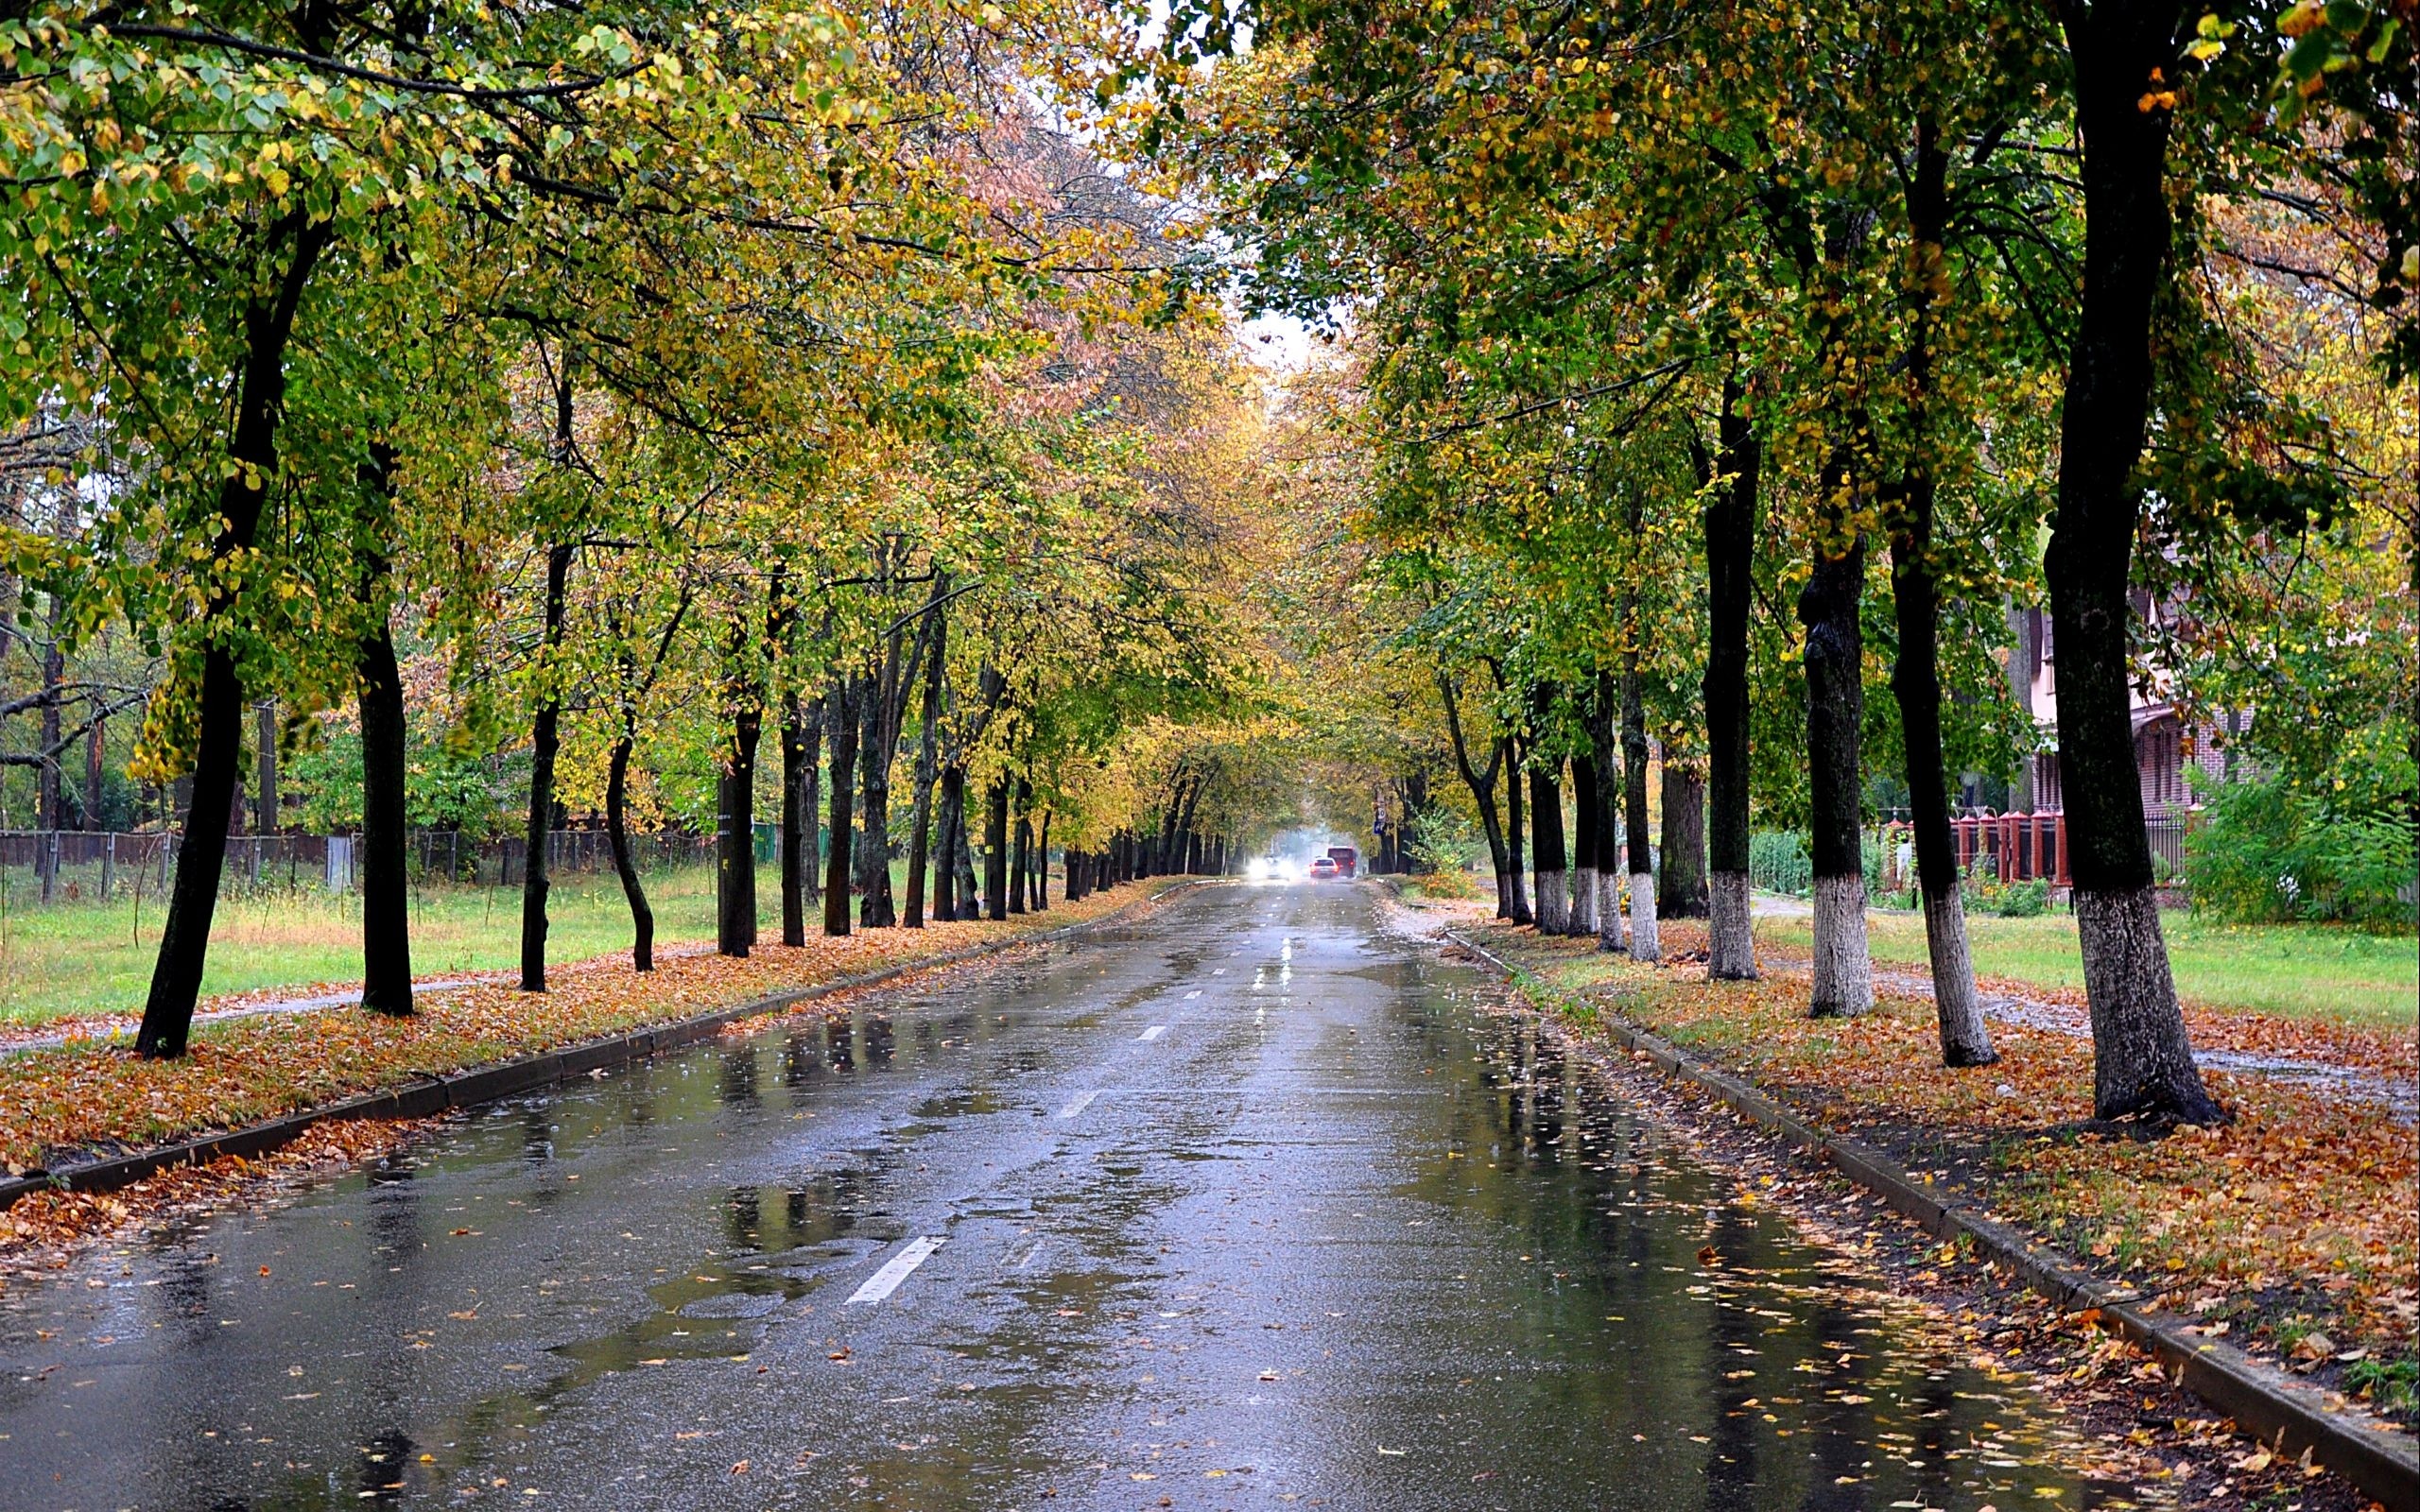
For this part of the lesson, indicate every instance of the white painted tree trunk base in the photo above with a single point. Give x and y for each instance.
(1965, 1039)
(1843, 967)
(1731, 942)
(1554, 903)
(1609, 910)
(2142, 1060)
(1583, 900)
(1644, 945)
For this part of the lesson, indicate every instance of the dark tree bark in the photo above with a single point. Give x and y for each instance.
(2143, 1061)
(1482, 786)
(1512, 848)
(1042, 866)
(735, 895)
(1583, 843)
(840, 732)
(970, 900)
(927, 750)
(1915, 674)
(945, 825)
(96, 749)
(266, 818)
(1021, 850)
(617, 835)
(996, 851)
(1730, 524)
(798, 755)
(1680, 882)
(50, 791)
(1646, 943)
(545, 742)
(260, 395)
(385, 921)
(1827, 606)
(1546, 859)
(1604, 737)
(875, 908)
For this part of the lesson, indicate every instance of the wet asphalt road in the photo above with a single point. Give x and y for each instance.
(1249, 1205)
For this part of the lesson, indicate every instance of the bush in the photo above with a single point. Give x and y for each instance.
(2269, 852)
(1777, 862)
(1443, 841)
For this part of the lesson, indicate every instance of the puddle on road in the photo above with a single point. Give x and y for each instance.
(1494, 1287)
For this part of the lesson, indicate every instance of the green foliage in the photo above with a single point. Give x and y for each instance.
(2392, 1385)
(2272, 852)
(1778, 861)
(1444, 841)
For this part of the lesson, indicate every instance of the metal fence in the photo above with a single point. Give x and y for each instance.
(62, 866)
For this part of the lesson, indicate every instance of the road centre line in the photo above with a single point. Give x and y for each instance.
(1153, 1033)
(896, 1270)
(1079, 1103)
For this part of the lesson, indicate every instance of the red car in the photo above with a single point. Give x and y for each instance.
(1324, 869)
(1346, 859)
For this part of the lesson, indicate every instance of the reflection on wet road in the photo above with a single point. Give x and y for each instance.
(1341, 1232)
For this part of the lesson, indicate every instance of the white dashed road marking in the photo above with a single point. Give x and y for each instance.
(1153, 1032)
(896, 1270)
(1079, 1103)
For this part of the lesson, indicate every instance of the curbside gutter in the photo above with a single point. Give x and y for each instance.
(2289, 1415)
(433, 1095)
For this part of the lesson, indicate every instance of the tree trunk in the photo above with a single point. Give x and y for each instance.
(840, 713)
(1646, 944)
(1730, 548)
(945, 829)
(811, 838)
(617, 834)
(2143, 1061)
(266, 816)
(795, 861)
(1041, 866)
(185, 939)
(1583, 843)
(1021, 852)
(1482, 786)
(95, 762)
(385, 919)
(545, 741)
(1546, 861)
(1827, 606)
(927, 754)
(50, 786)
(1680, 884)
(1915, 674)
(875, 908)
(969, 898)
(1512, 782)
(995, 849)
(735, 895)
(1605, 739)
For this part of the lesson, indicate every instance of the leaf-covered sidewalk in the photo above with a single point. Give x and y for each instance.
(85, 1098)
(2292, 1230)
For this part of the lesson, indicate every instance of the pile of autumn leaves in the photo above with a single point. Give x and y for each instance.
(2290, 1229)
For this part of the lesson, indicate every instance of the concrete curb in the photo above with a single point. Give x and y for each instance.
(2287, 1415)
(432, 1095)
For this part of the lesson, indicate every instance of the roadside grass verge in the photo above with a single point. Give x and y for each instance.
(73, 960)
(2295, 971)
(83, 1099)
(2293, 1223)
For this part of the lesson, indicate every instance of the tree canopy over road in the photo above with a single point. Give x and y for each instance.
(842, 419)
